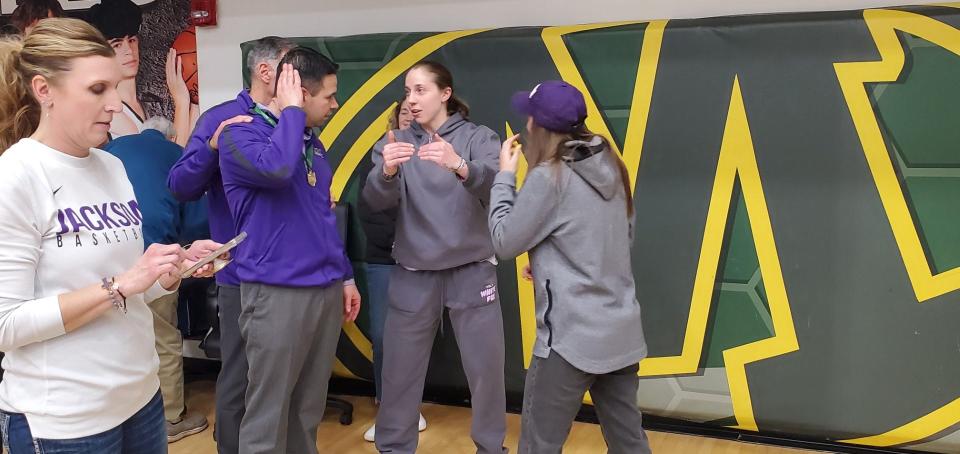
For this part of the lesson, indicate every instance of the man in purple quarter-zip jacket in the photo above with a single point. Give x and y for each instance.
(198, 172)
(296, 282)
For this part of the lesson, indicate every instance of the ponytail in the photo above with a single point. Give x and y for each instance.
(625, 180)
(19, 111)
(457, 105)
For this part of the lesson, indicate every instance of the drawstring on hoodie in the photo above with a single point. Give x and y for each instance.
(443, 297)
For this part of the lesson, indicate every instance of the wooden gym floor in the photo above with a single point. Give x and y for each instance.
(448, 432)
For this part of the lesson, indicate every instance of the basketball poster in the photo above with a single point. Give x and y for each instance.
(156, 47)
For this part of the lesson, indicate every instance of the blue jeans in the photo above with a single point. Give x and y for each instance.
(144, 433)
(378, 282)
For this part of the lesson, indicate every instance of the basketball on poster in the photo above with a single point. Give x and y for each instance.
(186, 47)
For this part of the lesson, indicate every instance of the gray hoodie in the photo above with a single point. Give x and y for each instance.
(441, 223)
(572, 218)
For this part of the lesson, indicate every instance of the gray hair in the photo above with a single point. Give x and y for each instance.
(267, 49)
(162, 125)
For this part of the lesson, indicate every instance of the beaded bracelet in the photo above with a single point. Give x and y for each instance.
(113, 289)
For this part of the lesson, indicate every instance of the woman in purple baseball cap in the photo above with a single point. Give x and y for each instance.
(574, 215)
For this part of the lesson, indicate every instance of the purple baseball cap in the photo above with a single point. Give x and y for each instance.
(554, 105)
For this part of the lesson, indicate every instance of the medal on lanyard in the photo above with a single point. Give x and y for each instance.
(308, 162)
(307, 149)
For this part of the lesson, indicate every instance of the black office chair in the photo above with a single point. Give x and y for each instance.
(342, 211)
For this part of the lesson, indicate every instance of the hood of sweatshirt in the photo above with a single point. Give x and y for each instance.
(592, 161)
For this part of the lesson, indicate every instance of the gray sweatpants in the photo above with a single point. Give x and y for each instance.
(416, 303)
(232, 380)
(552, 396)
(290, 337)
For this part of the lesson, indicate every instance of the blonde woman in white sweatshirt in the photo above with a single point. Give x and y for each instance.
(80, 366)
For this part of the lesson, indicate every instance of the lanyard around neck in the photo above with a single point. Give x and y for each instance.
(267, 116)
(308, 148)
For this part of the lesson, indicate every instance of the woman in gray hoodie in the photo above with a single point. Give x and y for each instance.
(438, 173)
(574, 215)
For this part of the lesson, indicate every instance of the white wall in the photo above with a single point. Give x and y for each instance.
(244, 20)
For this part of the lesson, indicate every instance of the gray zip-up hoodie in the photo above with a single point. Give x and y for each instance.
(441, 223)
(572, 218)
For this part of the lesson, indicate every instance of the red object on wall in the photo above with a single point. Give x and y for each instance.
(186, 47)
(203, 12)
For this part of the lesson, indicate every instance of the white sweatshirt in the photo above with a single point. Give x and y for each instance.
(66, 223)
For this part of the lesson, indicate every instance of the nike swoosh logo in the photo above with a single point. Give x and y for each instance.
(55, 191)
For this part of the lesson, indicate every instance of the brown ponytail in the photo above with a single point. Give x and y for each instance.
(457, 105)
(47, 51)
(625, 180)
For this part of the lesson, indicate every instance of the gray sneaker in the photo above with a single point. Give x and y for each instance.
(191, 424)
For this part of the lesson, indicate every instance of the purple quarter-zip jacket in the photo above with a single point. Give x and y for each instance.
(198, 172)
(292, 233)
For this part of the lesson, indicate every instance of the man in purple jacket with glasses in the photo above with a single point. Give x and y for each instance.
(198, 172)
